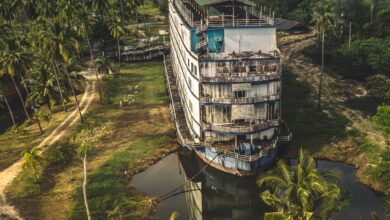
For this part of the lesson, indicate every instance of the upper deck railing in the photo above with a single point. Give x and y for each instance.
(253, 18)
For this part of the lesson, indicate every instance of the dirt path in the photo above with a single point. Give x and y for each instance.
(9, 174)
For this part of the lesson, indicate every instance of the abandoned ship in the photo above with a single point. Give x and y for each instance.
(224, 80)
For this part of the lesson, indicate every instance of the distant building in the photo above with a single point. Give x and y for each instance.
(226, 68)
(290, 27)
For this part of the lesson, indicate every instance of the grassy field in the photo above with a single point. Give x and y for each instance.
(12, 143)
(142, 132)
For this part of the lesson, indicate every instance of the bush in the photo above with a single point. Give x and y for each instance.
(368, 56)
(382, 118)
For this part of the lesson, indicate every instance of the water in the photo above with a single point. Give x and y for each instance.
(214, 195)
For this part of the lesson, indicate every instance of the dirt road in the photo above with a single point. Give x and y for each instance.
(9, 174)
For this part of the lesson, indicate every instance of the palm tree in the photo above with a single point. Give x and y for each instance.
(117, 30)
(61, 43)
(322, 20)
(84, 30)
(101, 7)
(3, 96)
(300, 192)
(12, 60)
(32, 159)
(104, 65)
(39, 39)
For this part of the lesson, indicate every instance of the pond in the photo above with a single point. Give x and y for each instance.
(215, 195)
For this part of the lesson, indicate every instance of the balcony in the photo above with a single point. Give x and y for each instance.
(240, 78)
(238, 101)
(241, 16)
(240, 129)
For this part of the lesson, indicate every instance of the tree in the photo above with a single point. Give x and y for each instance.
(117, 30)
(13, 60)
(86, 138)
(32, 159)
(84, 30)
(4, 97)
(104, 65)
(61, 43)
(300, 192)
(322, 20)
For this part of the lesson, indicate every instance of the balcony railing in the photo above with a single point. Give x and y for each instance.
(233, 128)
(252, 18)
(244, 100)
(232, 78)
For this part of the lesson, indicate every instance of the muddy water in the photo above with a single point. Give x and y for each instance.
(214, 195)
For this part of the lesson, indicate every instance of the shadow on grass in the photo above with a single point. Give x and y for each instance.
(311, 128)
(365, 104)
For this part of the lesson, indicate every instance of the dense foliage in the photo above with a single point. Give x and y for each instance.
(301, 191)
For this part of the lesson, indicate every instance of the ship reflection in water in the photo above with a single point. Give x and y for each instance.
(215, 195)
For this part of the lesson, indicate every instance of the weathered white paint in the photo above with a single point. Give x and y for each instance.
(250, 39)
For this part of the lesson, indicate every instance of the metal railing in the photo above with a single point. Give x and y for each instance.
(244, 100)
(230, 78)
(233, 128)
(224, 20)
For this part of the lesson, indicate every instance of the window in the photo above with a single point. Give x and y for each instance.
(195, 70)
(189, 83)
(190, 105)
(239, 94)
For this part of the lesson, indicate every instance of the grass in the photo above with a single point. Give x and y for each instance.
(311, 128)
(141, 133)
(140, 84)
(12, 142)
(108, 191)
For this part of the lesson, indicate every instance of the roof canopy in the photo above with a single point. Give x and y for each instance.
(213, 2)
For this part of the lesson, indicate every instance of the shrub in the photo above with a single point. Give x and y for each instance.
(382, 118)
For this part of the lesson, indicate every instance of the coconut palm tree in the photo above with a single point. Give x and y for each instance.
(101, 7)
(323, 21)
(4, 97)
(117, 29)
(84, 29)
(40, 40)
(104, 65)
(300, 192)
(12, 61)
(32, 159)
(61, 42)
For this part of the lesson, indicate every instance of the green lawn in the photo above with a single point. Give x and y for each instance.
(139, 83)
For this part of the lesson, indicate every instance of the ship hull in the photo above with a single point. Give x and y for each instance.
(234, 166)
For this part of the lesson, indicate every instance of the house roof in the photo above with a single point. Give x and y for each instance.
(213, 2)
(286, 25)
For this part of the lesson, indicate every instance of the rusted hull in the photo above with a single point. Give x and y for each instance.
(231, 171)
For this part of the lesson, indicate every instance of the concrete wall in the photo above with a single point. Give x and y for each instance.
(252, 39)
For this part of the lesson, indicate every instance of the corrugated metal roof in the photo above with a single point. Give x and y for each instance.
(213, 2)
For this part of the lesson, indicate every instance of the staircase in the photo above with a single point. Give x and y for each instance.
(177, 111)
(201, 31)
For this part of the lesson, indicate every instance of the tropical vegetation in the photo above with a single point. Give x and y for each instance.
(301, 191)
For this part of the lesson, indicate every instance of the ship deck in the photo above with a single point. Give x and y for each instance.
(177, 111)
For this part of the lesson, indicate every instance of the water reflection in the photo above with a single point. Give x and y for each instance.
(215, 195)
